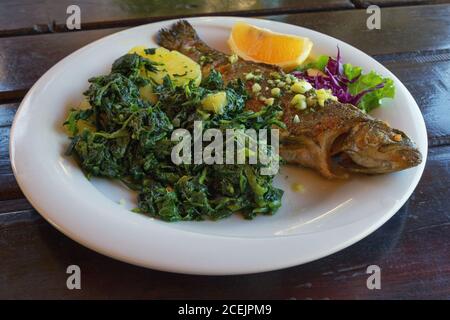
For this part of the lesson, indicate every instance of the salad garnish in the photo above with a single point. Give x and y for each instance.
(347, 82)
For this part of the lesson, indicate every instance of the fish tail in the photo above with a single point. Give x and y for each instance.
(174, 37)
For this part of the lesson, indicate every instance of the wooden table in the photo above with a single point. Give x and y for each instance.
(412, 249)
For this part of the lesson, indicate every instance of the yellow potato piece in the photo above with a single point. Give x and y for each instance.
(146, 93)
(215, 102)
(180, 68)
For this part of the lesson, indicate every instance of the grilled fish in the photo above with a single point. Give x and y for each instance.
(335, 140)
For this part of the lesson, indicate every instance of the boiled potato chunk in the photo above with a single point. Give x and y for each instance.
(147, 93)
(180, 68)
(215, 102)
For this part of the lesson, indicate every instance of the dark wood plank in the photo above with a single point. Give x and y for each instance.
(22, 70)
(9, 189)
(5, 168)
(7, 112)
(403, 29)
(388, 3)
(412, 250)
(25, 59)
(14, 206)
(40, 16)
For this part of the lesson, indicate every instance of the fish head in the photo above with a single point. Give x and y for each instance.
(373, 147)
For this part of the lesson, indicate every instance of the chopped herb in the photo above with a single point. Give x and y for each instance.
(275, 92)
(256, 88)
(180, 75)
(233, 58)
(150, 51)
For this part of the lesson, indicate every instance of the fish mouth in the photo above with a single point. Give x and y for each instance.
(374, 159)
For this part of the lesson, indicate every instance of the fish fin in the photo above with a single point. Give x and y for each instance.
(178, 34)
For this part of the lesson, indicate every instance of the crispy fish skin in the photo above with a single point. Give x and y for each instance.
(334, 139)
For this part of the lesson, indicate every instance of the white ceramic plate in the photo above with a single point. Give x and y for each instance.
(326, 218)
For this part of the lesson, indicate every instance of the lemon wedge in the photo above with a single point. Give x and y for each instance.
(262, 45)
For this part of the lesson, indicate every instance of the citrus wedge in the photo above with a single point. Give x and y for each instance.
(262, 45)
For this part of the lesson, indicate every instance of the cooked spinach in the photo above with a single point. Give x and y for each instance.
(124, 137)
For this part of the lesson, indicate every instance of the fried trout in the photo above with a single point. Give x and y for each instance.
(333, 138)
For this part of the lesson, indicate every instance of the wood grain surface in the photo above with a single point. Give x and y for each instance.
(42, 16)
(412, 248)
(403, 29)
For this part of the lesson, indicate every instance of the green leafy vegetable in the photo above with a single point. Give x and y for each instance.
(351, 72)
(366, 82)
(125, 137)
(320, 63)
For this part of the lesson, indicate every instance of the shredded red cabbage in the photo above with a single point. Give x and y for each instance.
(336, 80)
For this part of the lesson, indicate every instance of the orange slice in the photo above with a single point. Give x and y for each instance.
(262, 45)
